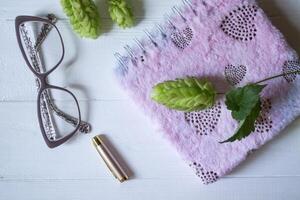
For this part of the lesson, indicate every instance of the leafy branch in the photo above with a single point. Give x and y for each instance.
(192, 94)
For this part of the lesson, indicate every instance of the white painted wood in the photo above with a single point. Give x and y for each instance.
(29, 170)
(80, 50)
(138, 142)
(149, 189)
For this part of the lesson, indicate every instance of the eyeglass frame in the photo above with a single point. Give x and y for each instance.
(44, 85)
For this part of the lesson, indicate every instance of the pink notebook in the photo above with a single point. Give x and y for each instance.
(231, 43)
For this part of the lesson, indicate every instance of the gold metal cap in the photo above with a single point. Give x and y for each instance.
(109, 159)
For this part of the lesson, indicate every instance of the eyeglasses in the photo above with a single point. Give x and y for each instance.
(42, 47)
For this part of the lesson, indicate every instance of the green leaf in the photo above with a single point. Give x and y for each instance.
(246, 125)
(245, 106)
(84, 17)
(120, 13)
(241, 101)
(189, 94)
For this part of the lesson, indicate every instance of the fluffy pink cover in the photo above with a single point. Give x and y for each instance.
(205, 42)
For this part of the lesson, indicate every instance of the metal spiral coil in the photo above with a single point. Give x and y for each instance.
(140, 45)
(177, 11)
(188, 4)
(129, 51)
(161, 30)
(150, 37)
(168, 21)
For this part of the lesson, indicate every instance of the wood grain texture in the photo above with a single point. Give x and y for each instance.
(29, 170)
(175, 188)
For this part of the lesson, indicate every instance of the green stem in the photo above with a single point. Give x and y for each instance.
(277, 76)
(220, 93)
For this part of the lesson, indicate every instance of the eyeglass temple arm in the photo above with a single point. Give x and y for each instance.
(47, 122)
(44, 31)
(84, 127)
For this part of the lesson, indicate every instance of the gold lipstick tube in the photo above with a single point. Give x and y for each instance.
(109, 159)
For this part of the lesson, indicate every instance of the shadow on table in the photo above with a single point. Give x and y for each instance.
(260, 152)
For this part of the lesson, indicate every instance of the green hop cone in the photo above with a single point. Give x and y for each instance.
(84, 17)
(121, 13)
(189, 94)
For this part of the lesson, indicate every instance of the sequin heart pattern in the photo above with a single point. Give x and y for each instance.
(183, 38)
(207, 177)
(235, 74)
(204, 122)
(240, 23)
(264, 123)
(290, 66)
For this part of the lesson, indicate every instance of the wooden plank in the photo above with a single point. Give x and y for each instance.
(142, 9)
(85, 71)
(91, 76)
(154, 9)
(149, 189)
(24, 156)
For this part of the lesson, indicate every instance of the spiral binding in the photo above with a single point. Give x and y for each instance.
(161, 30)
(140, 45)
(150, 37)
(189, 5)
(120, 59)
(129, 50)
(168, 21)
(177, 11)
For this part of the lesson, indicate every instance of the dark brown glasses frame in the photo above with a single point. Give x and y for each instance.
(42, 79)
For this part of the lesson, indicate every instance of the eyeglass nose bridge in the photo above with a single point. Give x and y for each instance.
(42, 80)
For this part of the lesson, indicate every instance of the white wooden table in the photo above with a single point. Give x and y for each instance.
(29, 170)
